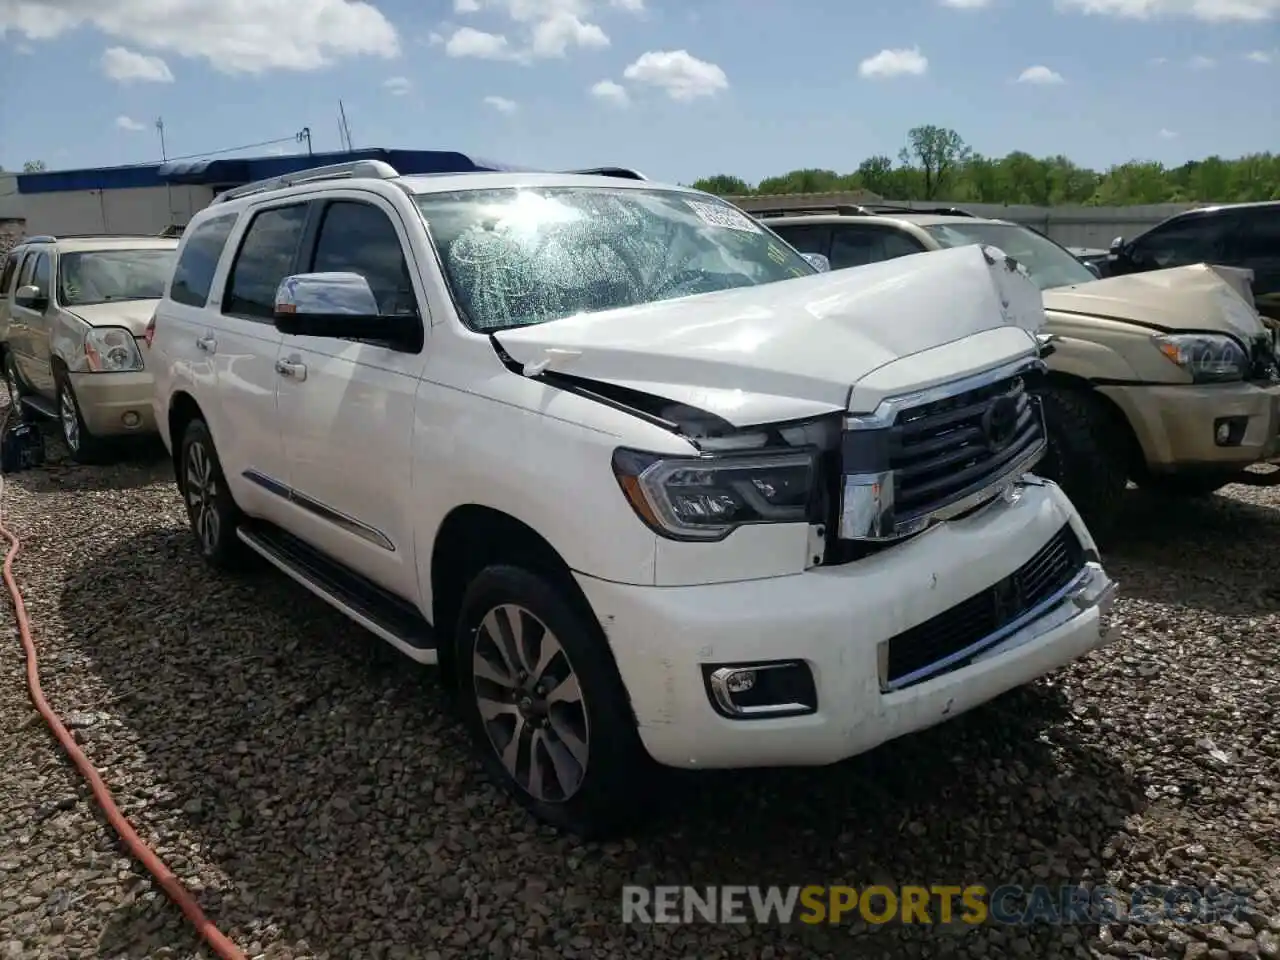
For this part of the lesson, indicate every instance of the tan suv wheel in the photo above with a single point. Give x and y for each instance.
(83, 446)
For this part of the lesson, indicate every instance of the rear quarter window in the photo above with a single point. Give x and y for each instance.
(198, 261)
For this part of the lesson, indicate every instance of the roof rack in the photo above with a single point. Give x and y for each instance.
(839, 209)
(49, 238)
(857, 210)
(622, 173)
(356, 169)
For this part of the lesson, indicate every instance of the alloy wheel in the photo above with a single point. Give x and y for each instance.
(202, 493)
(70, 419)
(531, 703)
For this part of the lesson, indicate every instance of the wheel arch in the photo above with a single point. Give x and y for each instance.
(1135, 460)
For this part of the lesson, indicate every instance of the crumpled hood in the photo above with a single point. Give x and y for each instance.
(133, 315)
(1198, 297)
(793, 348)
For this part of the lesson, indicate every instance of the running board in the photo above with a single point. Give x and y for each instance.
(41, 406)
(379, 612)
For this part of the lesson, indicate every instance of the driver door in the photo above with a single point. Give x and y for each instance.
(29, 326)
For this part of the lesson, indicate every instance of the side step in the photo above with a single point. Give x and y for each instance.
(379, 612)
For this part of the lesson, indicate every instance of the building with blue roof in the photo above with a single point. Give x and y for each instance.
(152, 198)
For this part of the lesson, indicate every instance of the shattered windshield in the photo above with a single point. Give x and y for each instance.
(1048, 264)
(523, 255)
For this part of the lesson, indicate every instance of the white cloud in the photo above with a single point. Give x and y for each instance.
(465, 6)
(631, 6)
(501, 104)
(468, 42)
(1167, 134)
(1208, 10)
(1040, 75)
(434, 39)
(128, 66)
(1258, 56)
(895, 63)
(552, 36)
(966, 4)
(130, 124)
(397, 86)
(606, 91)
(235, 36)
(683, 76)
(1201, 62)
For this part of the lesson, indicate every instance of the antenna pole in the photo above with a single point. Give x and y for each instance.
(304, 135)
(346, 127)
(160, 130)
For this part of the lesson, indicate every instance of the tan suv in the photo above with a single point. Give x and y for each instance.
(71, 312)
(1167, 378)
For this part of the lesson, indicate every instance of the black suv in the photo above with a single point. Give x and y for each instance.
(1233, 235)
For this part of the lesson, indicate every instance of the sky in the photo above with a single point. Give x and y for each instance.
(678, 89)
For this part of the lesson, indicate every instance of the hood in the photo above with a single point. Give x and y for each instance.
(793, 348)
(1198, 297)
(133, 315)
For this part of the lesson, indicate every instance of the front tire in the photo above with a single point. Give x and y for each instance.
(1086, 455)
(542, 698)
(211, 510)
(83, 446)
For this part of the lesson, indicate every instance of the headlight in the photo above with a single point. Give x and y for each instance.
(1208, 357)
(111, 350)
(705, 498)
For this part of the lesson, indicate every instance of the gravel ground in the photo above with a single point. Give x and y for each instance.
(312, 789)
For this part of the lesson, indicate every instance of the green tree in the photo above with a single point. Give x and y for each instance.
(938, 165)
(723, 185)
(938, 152)
(34, 166)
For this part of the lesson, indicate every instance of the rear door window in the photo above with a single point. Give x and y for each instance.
(807, 238)
(266, 256)
(856, 245)
(198, 261)
(1198, 239)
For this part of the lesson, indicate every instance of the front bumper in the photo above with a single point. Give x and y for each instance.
(834, 619)
(1175, 424)
(115, 404)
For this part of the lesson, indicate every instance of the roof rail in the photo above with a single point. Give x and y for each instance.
(356, 169)
(839, 209)
(622, 173)
(874, 208)
(39, 238)
(49, 238)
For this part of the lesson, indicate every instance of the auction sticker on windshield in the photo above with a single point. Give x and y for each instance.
(718, 215)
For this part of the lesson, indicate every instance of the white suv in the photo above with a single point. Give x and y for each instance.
(643, 480)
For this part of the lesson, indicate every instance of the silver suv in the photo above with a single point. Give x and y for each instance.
(71, 312)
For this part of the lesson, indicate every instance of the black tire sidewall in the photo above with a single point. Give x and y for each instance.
(91, 449)
(1086, 455)
(227, 548)
(608, 799)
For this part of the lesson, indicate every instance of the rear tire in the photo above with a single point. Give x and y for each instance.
(211, 510)
(1087, 455)
(541, 696)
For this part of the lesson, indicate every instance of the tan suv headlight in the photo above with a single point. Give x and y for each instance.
(1208, 357)
(111, 350)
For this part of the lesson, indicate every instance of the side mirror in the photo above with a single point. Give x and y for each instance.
(29, 296)
(818, 261)
(1116, 244)
(340, 306)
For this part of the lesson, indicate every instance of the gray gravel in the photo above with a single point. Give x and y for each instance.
(310, 785)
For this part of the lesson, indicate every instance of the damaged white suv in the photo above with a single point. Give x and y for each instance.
(642, 479)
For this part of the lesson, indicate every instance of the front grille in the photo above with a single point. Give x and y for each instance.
(967, 624)
(940, 452)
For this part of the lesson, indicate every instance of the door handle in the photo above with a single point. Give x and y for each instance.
(207, 344)
(292, 369)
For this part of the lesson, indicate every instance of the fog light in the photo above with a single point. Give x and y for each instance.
(131, 419)
(761, 690)
(1229, 431)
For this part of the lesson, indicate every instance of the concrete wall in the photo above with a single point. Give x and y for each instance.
(145, 210)
(12, 222)
(1070, 226)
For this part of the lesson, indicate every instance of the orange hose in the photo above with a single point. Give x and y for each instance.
(222, 945)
